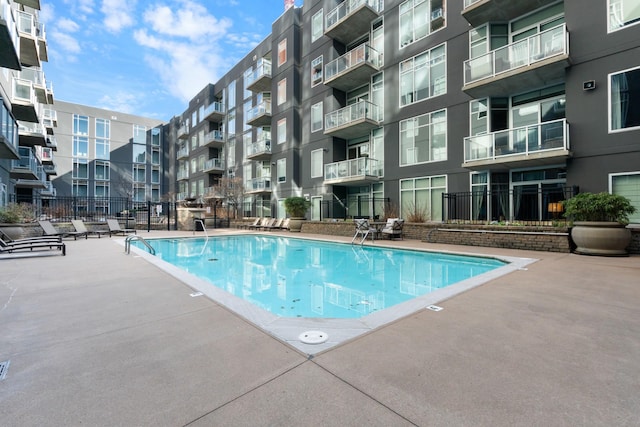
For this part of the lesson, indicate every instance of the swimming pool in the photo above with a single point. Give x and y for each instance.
(270, 265)
(290, 277)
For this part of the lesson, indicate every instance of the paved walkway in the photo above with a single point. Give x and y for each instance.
(103, 338)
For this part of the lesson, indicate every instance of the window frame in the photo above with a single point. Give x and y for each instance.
(314, 25)
(317, 153)
(281, 91)
(282, 52)
(431, 134)
(610, 105)
(623, 25)
(281, 170)
(627, 174)
(281, 125)
(317, 77)
(417, 64)
(314, 108)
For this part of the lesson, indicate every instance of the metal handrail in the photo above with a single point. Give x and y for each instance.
(203, 227)
(130, 237)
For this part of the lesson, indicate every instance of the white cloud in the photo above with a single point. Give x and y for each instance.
(118, 14)
(190, 20)
(121, 101)
(65, 41)
(243, 41)
(67, 25)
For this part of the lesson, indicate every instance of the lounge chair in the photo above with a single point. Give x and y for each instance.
(11, 237)
(253, 224)
(393, 228)
(80, 227)
(268, 223)
(364, 229)
(285, 224)
(114, 228)
(33, 246)
(259, 224)
(50, 230)
(275, 224)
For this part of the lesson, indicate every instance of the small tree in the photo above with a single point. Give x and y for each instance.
(296, 206)
(231, 189)
(598, 207)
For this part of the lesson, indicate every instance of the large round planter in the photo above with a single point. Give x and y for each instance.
(601, 238)
(295, 224)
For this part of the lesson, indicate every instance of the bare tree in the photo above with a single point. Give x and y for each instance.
(232, 191)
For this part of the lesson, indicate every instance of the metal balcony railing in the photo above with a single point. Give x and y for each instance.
(526, 140)
(213, 164)
(214, 107)
(351, 113)
(554, 41)
(354, 168)
(260, 184)
(468, 3)
(361, 54)
(259, 110)
(263, 69)
(345, 8)
(259, 147)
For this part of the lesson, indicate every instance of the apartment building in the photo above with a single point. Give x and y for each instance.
(106, 154)
(27, 119)
(473, 110)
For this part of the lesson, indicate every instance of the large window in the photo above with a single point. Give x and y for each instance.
(282, 130)
(623, 13)
(423, 76)
(317, 25)
(316, 71)
(80, 169)
(281, 170)
(627, 185)
(102, 149)
(316, 163)
(102, 171)
(282, 52)
(80, 146)
(139, 173)
(80, 188)
(423, 138)
(316, 117)
(102, 189)
(139, 153)
(103, 128)
(80, 125)
(139, 134)
(418, 18)
(282, 91)
(422, 197)
(624, 100)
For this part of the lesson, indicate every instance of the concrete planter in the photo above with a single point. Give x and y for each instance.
(601, 238)
(295, 224)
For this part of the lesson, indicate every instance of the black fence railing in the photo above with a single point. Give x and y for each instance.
(524, 204)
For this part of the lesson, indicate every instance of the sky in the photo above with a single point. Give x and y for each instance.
(148, 57)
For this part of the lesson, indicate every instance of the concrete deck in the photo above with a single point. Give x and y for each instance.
(103, 338)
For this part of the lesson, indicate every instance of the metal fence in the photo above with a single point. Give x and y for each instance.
(525, 204)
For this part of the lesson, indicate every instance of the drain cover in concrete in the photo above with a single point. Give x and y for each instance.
(313, 337)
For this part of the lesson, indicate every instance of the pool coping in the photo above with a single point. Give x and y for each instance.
(338, 331)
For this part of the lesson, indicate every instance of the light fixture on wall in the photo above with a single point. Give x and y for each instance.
(589, 85)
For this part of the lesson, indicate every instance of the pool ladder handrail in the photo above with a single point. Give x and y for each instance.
(203, 227)
(130, 237)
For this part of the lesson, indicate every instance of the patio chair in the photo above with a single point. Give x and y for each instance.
(285, 224)
(50, 230)
(114, 228)
(10, 236)
(364, 229)
(253, 224)
(32, 246)
(259, 223)
(275, 225)
(80, 227)
(268, 223)
(393, 228)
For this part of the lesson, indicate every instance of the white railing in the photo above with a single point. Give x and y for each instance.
(259, 110)
(259, 147)
(213, 164)
(183, 174)
(258, 184)
(345, 8)
(33, 128)
(8, 16)
(524, 140)
(351, 113)
(23, 91)
(263, 69)
(361, 54)
(214, 107)
(522, 53)
(34, 75)
(214, 135)
(183, 152)
(360, 167)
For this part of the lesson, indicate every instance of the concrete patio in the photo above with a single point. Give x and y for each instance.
(102, 338)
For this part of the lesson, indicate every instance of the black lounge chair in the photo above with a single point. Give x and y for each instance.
(50, 230)
(32, 246)
(114, 228)
(80, 227)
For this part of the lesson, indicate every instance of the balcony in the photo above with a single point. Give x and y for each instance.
(353, 69)
(183, 175)
(49, 119)
(478, 12)
(49, 92)
(259, 185)
(527, 146)
(350, 20)
(50, 169)
(354, 172)
(42, 43)
(28, 32)
(531, 62)
(49, 190)
(31, 134)
(25, 106)
(260, 115)
(183, 131)
(214, 166)
(214, 139)
(215, 112)
(34, 4)
(213, 193)
(26, 167)
(260, 79)
(45, 155)
(9, 39)
(259, 150)
(352, 121)
(36, 76)
(182, 153)
(52, 142)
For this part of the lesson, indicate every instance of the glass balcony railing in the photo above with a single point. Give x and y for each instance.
(351, 113)
(49, 117)
(263, 69)
(26, 23)
(468, 3)
(214, 135)
(526, 140)
(183, 152)
(259, 147)
(27, 161)
(213, 164)
(361, 54)
(519, 54)
(23, 91)
(31, 128)
(183, 174)
(345, 8)
(264, 108)
(259, 184)
(8, 15)
(214, 108)
(354, 168)
(183, 130)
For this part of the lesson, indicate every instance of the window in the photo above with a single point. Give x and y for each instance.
(155, 156)
(231, 153)
(139, 134)
(155, 176)
(139, 193)
(316, 71)
(623, 13)
(102, 189)
(80, 146)
(316, 163)
(423, 138)
(80, 125)
(281, 170)
(248, 106)
(139, 153)
(80, 188)
(423, 197)
(317, 25)
(316, 117)
(282, 52)
(139, 174)
(80, 169)
(102, 149)
(231, 95)
(418, 18)
(624, 100)
(103, 128)
(627, 185)
(423, 76)
(155, 194)
(282, 91)
(102, 171)
(282, 130)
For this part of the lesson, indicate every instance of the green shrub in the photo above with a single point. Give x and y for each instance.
(296, 207)
(598, 207)
(17, 213)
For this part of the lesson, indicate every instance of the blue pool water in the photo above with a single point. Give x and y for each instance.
(292, 277)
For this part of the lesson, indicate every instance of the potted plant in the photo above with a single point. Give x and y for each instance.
(297, 208)
(599, 223)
